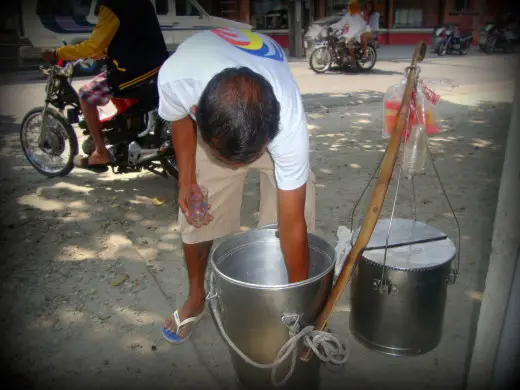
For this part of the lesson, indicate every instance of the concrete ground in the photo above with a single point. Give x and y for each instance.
(91, 266)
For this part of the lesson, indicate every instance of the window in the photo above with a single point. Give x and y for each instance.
(338, 7)
(270, 14)
(335, 6)
(72, 8)
(415, 14)
(460, 5)
(185, 8)
(161, 7)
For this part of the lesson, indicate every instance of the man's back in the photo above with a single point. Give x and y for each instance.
(204, 54)
(184, 76)
(138, 46)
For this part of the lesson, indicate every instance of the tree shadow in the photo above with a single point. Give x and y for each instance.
(91, 265)
(326, 102)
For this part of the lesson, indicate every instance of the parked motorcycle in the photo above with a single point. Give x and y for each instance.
(331, 49)
(449, 40)
(498, 40)
(136, 138)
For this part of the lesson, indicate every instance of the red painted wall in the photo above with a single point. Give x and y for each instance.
(396, 38)
(485, 12)
(281, 39)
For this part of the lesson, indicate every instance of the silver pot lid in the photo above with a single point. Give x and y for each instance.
(411, 245)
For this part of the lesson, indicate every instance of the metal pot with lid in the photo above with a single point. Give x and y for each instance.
(400, 286)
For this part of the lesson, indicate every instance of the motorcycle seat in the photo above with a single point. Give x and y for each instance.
(145, 92)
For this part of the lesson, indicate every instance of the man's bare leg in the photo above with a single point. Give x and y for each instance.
(196, 256)
(364, 40)
(352, 54)
(100, 155)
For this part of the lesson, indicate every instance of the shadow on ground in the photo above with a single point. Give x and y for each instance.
(90, 265)
(361, 72)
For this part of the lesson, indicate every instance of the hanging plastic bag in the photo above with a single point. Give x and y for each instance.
(432, 124)
(392, 102)
(415, 151)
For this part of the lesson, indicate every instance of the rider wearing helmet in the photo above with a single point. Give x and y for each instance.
(354, 23)
(130, 39)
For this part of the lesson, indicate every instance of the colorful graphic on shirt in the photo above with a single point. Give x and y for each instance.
(251, 43)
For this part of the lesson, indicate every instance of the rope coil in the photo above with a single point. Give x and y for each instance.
(327, 347)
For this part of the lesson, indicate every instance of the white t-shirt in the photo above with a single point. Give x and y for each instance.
(356, 25)
(186, 73)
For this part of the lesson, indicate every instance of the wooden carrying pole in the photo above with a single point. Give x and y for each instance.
(377, 199)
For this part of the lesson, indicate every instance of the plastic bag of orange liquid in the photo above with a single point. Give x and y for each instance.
(422, 109)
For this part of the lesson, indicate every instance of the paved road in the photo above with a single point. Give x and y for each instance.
(20, 91)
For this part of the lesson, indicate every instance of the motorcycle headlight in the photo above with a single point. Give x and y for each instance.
(68, 72)
(323, 33)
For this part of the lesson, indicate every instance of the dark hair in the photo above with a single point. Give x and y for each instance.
(238, 114)
(373, 6)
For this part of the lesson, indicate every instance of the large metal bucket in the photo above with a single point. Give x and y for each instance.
(255, 304)
(398, 309)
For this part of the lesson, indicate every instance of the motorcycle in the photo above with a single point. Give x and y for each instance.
(136, 138)
(449, 40)
(331, 48)
(500, 40)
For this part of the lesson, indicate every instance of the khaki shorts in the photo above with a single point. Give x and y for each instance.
(225, 187)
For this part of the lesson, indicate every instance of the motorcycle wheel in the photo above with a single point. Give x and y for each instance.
(370, 63)
(489, 48)
(169, 164)
(442, 49)
(464, 49)
(322, 58)
(61, 143)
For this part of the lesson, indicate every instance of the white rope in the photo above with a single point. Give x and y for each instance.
(327, 347)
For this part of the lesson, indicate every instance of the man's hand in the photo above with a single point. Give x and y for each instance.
(293, 233)
(49, 56)
(184, 140)
(185, 193)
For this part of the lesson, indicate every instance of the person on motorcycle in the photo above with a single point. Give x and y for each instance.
(353, 23)
(234, 106)
(130, 39)
(371, 17)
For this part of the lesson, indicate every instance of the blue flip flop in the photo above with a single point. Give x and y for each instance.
(172, 337)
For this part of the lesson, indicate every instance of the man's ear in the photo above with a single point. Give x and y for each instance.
(193, 110)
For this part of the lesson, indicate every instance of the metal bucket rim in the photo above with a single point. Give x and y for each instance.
(276, 287)
(411, 270)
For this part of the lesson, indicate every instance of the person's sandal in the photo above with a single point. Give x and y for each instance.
(172, 337)
(82, 163)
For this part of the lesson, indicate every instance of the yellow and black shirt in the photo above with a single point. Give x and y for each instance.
(129, 36)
